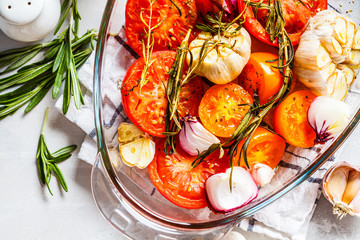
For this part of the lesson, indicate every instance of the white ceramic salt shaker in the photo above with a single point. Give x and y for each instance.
(29, 20)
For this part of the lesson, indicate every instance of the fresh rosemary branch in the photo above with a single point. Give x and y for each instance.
(173, 89)
(34, 80)
(62, 56)
(275, 27)
(148, 49)
(47, 162)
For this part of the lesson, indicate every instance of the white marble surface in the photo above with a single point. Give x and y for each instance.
(28, 211)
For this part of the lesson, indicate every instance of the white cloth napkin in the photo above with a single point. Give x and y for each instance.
(287, 218)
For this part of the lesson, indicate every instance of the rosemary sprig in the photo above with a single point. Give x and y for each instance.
(148, 48)
(34, 80)
(252, 119)
(62, 57)
(173, 89)
(47, 162)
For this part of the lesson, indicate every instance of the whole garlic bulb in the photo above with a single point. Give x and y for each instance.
(226, 56)
(29, 20)
(341, 185)
(327, 54)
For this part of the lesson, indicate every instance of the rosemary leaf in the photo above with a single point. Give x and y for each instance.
(47, 162)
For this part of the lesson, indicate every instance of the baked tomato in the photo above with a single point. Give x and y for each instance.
(146, 108)
(290, 119)
(259, 75)
(265, 147)
(222, 108)
(296, 14)
(172, 19)
(175, 180)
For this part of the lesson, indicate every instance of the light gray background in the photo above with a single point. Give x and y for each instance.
(27, 211)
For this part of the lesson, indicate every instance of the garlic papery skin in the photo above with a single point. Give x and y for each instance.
(262, 174)
(226, 55)
(328, 116)
(326, 51)
(222, 198)
(194, 138)
(341, 185)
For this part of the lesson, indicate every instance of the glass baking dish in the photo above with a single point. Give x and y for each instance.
(126, 197)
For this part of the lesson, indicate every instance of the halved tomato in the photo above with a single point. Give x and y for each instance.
(173, 17)
(146, 108)
(296, 14)
(222, 108)
(265, 147)
(175, 180)
(290, 119)
(259, 75)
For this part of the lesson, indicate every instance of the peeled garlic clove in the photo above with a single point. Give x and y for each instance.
(356, 41)
(226, 56)
(128, 132)
(341, 185)
(138, 153)
(262, 174)
(147, 153)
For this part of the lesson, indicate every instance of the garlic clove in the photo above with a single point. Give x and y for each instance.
(138, 153)
(128, 132)
(130, 152)
(355, 204)
(147, 153)
(336, 184)
(262, 174)
(352, 187)
(340, 186)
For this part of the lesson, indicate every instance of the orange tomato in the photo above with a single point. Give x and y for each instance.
(290, 119)
(221, 108)
(260, 76)
(265, 147)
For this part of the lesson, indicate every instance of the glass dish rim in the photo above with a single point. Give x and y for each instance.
(148, 213)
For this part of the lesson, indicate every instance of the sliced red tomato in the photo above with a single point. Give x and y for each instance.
(172, 19)
(147, 108)
(290, 119)
(259, 75)
(221, 108)
(175, 180)
(265, 147)
(296, 14)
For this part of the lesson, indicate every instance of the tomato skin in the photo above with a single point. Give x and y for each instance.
(295, 13)
(290, 119)
(219, 109)
(265, 147)
(147, 108)
(261, 76)
(172, 30)
(172, 177)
